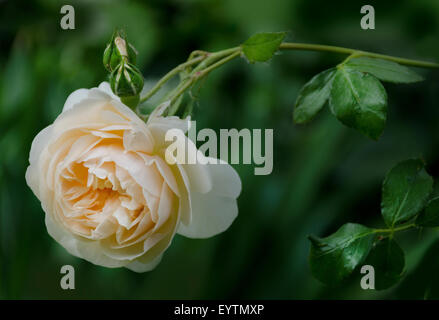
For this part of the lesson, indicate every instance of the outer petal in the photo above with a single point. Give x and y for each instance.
(74, 98)
(138, 266)
(105, 86)
(103, 91)
(213, 212)
(33, 171)
(160, 125)
(85, 249)
(197, 176)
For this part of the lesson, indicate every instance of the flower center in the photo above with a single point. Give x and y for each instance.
(97, 191)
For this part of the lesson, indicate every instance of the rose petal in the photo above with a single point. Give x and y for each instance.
(85, 249)
(140, 266)
(214, 212)
(74, 98)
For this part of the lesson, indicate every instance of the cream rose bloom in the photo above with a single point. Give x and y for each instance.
(108, 193)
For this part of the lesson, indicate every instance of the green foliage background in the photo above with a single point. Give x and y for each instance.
(324, 173)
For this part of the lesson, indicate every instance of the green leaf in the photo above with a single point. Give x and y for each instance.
(126, 80)
(261, 46)
(312, 96)
(430, 216)
(388, 261)
(405, 191)
(359, 101)
(332, 259)
(384, 70)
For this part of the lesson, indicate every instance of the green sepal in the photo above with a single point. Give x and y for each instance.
(126, 80)
(131, 101)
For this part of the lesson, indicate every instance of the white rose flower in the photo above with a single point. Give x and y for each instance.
(108, 193)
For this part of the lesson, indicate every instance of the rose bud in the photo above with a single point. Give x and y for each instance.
(117, 49)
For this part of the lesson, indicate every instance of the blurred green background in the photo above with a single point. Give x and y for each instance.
(324, 173)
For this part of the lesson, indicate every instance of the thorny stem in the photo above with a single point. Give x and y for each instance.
(171, 74)
(318, 47)
(203, 62)
(200, 74)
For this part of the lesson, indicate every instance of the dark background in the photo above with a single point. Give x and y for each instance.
(324, 173)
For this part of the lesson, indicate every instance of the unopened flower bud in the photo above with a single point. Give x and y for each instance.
(117, 49)
(126, 80)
